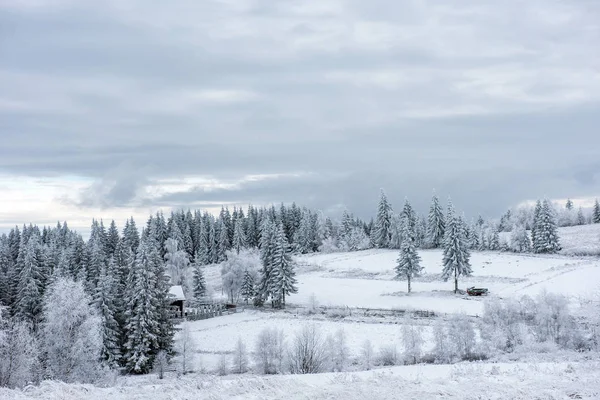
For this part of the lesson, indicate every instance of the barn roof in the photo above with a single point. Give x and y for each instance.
(176, 293)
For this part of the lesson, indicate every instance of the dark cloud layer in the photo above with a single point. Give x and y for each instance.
(490, 103)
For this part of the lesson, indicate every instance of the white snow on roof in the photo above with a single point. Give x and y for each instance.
(176, 293)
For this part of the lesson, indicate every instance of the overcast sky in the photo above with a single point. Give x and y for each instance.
(120, 107)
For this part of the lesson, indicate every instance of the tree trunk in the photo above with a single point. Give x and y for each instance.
(283, 300)
(455, 282)
(409, 284)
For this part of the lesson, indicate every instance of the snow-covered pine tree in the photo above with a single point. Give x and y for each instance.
(177, 261)
(409, 262)
(142, 316)
(456, 254)
(199, 283)
(267, 251)
(383, 222)
(494, 243)
(284, 280)
(596, 213)
(112, 239)
(203, 251)
(30, 289)
(436, 223)
(248, 290)
(303, 236)
(105, 301)
(223, 242)
(547, 240)
(239, 236)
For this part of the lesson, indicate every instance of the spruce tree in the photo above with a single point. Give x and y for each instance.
(203, 252)
(248, 291)
(223, 243)
(546, 239)
(519, 240)
(284, 280)
(383, 223)
(267, 250)
(199, 283)
(239, 237)
(409, 265)
(28, 305)
(456, 254)
(105, 301)
(143, 314)
(436, 224)
(112, 239)
(596, 214)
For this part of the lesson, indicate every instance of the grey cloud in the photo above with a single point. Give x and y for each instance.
(488, 103)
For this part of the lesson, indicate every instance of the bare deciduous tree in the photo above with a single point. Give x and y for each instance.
(308, 354)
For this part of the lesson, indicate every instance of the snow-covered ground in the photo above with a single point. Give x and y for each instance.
(366, 279)
(461, 381)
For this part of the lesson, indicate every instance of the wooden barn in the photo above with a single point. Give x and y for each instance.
(176, 301)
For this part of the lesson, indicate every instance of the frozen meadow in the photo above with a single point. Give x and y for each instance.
(342, 292)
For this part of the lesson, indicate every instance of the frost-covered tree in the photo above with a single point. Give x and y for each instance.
(596, 213)
(177, 261)
(18, 354)
(519, 239)
(442, 348)
(408, 262)
(461, 335)
(269, 351)
(412, 340)
(339, 352)
(397, 233)
(383, 222)
(580, 217)
(71, 332)
(186, 348)
(282, 269)
(240, 357)
(366, 353)
(494, 240)
(546, 236)
(456, 253)
(233, 270)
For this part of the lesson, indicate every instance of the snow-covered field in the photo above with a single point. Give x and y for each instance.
(366, 279)
(462, 381)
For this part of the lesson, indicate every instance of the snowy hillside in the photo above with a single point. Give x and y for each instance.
(492, 381)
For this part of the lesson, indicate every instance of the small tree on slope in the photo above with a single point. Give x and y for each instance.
(199, 283)
(408, 261)
(456, 254)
